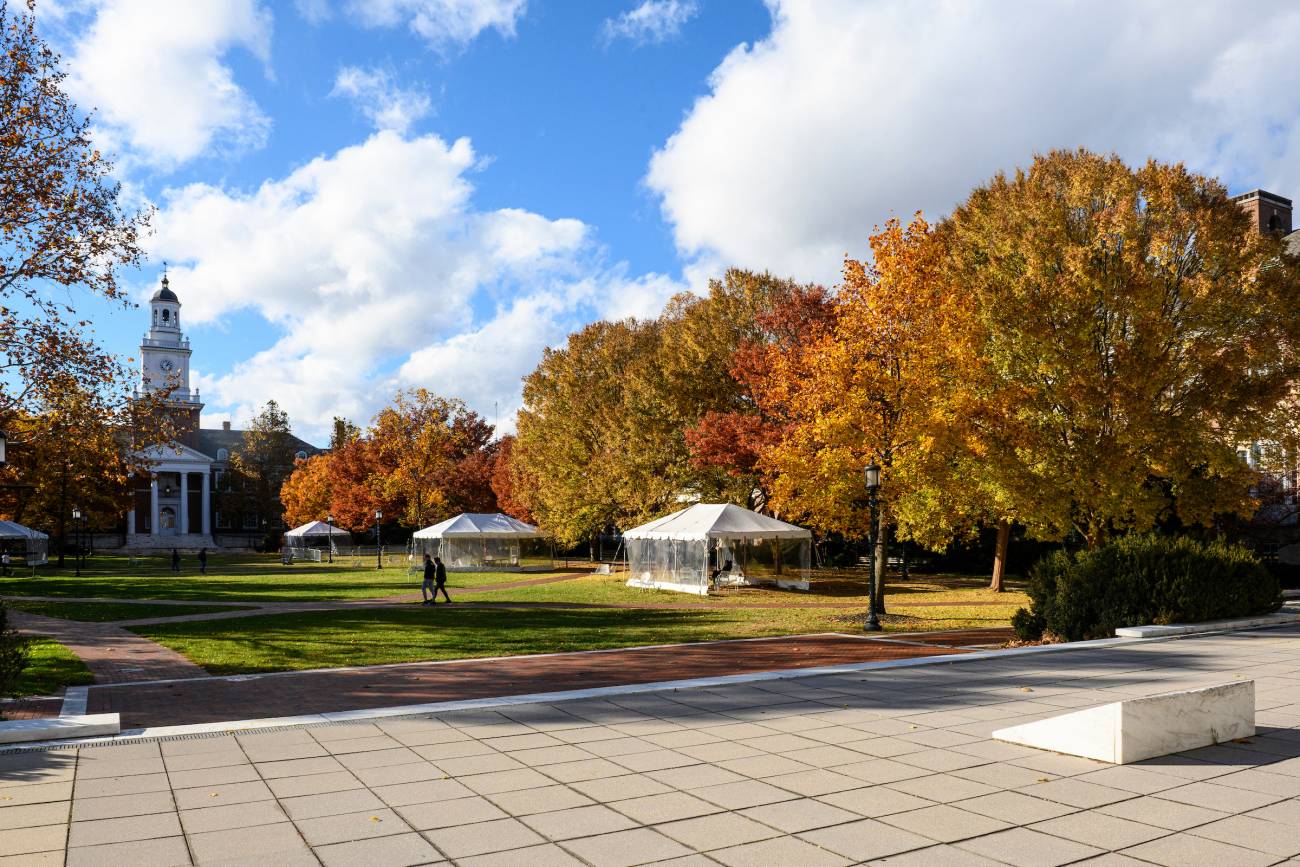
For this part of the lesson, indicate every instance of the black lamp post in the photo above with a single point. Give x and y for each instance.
(329, 520)
(76, 538)
(871, 476)
(379, 559)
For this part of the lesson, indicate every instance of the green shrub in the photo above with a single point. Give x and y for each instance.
(1143, 579)
(13, 654)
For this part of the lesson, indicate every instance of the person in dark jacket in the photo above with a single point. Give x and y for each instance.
(203, 561)
(428, 590)
(176, 560)
(440, 580)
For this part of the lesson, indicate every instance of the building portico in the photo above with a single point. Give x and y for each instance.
(177, 511)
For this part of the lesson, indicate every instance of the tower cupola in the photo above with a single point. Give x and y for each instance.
(166, 309)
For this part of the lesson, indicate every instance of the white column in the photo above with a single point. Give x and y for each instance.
(130, 520)
(154, 529)
(207, 502)
(185, 503)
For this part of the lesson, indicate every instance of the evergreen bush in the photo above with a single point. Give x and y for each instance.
(1138, 580)
(13, 654)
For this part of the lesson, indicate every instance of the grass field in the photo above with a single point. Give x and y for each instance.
(234, 577)
(51, 666)
(321, 640)
(105, 612)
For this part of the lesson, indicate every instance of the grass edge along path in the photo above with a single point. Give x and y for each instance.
(414, 633)
(109, 612)
(50, 667)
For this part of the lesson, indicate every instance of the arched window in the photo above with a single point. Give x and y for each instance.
(301, 455)
(167, 517)
(1274, 224)
(223, 454)
(166, 314)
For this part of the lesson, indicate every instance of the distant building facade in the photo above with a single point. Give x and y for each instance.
(176, 505)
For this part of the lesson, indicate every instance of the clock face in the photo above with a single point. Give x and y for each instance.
(166, 364)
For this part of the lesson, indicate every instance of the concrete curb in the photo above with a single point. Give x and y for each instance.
(1278, 618)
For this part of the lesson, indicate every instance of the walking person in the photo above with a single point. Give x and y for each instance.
(428, 590)
(4, 563)
(176, 560)
(203, 561)
(440, 580)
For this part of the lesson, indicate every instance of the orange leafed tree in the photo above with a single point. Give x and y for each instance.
(1129, 330)
(868, 390)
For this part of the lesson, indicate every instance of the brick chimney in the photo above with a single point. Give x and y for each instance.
(225, 425)
(1269, 212)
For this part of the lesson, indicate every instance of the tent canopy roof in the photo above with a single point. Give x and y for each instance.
(10, 531)
(317, 528)
(717, 521)
(470, 525)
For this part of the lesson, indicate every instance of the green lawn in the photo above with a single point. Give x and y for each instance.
(106, 612)
(235, 577)
(51, 666)
(410, 633)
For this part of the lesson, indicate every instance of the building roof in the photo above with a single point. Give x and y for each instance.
(472, 525)
(165, 293)
(212, 439)
(717, 521)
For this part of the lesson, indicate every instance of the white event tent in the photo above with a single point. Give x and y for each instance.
(315, 536)
(717, 542)
(475, 541)
(32, 544)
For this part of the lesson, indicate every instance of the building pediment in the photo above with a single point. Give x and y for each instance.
(174, 453)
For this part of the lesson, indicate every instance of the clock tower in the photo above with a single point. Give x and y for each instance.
(165, 362)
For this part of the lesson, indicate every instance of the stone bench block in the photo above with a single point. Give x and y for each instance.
(1144, 728)
(57, 728)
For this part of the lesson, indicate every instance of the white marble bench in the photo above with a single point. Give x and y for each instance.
(56, 728)
(1144, 728)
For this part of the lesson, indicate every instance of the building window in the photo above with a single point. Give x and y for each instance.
(250, 522)
(301, 455)
(223, 454)
(167, 518)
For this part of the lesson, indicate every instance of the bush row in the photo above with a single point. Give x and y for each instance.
(1138, 580)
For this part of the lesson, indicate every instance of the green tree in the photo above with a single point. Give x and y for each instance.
(260, 466)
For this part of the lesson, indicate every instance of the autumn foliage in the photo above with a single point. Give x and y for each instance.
(422, 459)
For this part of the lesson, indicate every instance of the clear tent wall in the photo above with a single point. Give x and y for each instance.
(485, 553)
(692, 564)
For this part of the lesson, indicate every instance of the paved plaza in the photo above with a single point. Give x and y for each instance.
(892, 765)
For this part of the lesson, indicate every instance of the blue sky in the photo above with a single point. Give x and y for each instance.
(358, 196)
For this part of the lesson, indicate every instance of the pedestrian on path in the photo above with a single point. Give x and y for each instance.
(176, 560)
(440, 580)
(203, 561)
(428, 590)
(4, 563)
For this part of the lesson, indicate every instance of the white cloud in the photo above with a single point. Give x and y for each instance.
(652, 21)
(378, 272)
(443, 24)
(850, 112)
(314, 11)
(156, 72)
(376, 95)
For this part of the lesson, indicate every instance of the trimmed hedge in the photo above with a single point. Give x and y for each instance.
(1138, 580)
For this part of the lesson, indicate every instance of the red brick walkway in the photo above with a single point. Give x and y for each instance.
(113, 654)
(289, 694)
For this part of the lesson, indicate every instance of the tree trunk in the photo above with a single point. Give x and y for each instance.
(1000, 555)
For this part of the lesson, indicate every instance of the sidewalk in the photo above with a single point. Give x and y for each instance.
(890, 766)
(219, 699)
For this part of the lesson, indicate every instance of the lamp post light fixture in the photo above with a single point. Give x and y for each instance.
(76, 538)
(871, 477)
(329, 521)
(379, 557)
